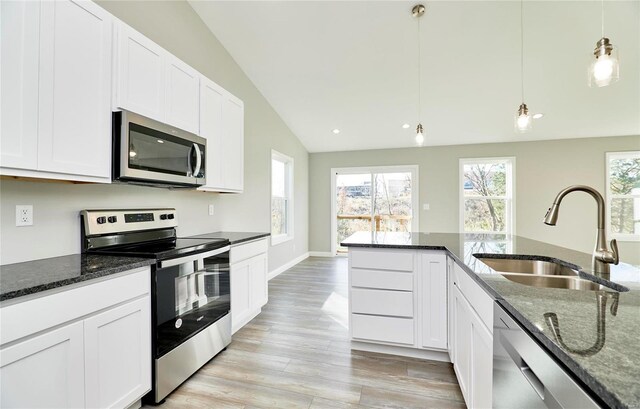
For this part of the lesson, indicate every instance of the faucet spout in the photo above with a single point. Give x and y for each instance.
(602, 256)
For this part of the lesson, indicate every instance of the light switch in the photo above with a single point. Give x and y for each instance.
(425, 206)
(211, 210)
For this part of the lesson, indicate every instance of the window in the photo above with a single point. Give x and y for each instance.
(281, 198)
(486, 195)
(623, 195)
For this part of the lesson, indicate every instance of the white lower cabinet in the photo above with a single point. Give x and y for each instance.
(473, 346)
(249, 268)
(92, 349)
(46, 371)
(433, 297)
(115, 375)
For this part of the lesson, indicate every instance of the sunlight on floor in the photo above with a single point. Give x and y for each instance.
(336, 307)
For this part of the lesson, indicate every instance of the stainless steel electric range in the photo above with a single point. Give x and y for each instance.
(191, 319)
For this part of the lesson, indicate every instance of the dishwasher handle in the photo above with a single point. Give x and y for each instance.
(532, 378)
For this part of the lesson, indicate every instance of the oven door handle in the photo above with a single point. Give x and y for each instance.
(187, 259)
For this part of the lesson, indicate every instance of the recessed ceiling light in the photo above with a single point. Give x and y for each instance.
(405, 126)
(160, 141)
(336, 131)
(538, 116)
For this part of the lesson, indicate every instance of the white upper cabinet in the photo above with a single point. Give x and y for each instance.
(140, 73)
(75, 89)
(152, 82)
(211, 100)
(56, 92)
(20, 31)
(233, 143)
(182, 95)
(222, 124)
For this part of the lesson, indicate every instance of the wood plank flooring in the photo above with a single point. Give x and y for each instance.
(296, 354)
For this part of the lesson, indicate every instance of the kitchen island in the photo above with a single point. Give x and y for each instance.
(599, 344)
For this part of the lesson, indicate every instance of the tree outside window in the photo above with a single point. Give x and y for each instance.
(486, 195)
(623, 194)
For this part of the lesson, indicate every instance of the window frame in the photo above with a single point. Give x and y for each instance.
(289, 197)
(510, 194)
(610, 196)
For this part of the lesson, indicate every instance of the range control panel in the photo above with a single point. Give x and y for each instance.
(105, 221)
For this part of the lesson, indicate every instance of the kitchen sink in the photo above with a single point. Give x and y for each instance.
(554, 281)
(540, 273)
(529, 267)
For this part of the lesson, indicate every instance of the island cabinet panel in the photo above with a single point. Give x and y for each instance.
(433, 299)
(382, 329)
(383, 260)
(391, 280)
(382, 302)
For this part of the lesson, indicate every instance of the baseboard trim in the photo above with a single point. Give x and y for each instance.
(442, 356)
(321, 254)
(287, 266)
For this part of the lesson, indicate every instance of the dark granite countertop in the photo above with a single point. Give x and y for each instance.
(31, 277)
(234, 237)
(611, 372)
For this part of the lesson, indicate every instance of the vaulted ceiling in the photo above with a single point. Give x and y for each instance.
(353, 65)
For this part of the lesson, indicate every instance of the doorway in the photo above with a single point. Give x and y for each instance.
(372, 199)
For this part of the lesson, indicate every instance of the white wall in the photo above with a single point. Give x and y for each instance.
(175, 26)
(543, 168)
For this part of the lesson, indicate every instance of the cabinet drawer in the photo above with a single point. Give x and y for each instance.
(481, 302)
(248, 250)
(385, 329)
(382, 260)
(389, 280)
(27, 317)
(382, 302)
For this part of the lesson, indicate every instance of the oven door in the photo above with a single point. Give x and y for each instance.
(191, 293)
(150, 151)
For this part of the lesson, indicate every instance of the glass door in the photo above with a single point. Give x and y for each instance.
(373, 200)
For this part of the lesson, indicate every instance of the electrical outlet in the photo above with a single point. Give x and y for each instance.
(425, 206)
(24, 215)
(211, 209)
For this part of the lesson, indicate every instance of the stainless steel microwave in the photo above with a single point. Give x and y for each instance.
(151, 153)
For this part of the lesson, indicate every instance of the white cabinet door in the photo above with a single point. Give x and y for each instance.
(240, 293)
(140, 74)
(211, 100)
(450, 310)
(233, 143)
(182, 95)
(462, 364)
(258, 279)
(433, 278)
(19, 38)
(481, 365)
(74, 133)
(118, 355)
(46, 371)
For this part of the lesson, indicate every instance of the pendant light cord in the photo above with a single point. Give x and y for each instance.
(419, 70)
(602, 18)
(522, 49)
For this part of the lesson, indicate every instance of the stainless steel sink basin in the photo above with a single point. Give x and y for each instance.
(529, 267)
(552, 281)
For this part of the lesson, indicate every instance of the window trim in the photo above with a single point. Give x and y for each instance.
(609, 196)
(289, 196)
(510, 196)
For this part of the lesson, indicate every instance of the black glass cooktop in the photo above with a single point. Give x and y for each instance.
(165, 249)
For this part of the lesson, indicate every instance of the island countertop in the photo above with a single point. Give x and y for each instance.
(611, 373)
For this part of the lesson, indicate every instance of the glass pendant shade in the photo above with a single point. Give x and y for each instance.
(605, 67)
(523, 120)
(419, 135)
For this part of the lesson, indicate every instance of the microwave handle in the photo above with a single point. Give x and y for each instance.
(196, 169)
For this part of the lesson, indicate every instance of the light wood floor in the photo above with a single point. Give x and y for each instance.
(296, 354)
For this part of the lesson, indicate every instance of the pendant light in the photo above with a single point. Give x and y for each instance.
(418, 11)
(604, 69)
(523, 120)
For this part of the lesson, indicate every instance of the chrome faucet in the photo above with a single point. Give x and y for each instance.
(602, 256)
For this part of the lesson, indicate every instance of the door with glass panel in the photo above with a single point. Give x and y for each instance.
(373, 200)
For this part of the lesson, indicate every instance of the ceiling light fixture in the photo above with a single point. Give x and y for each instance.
(523, 119)
(405, 126)
(336, 131)
(605, 69)
(418, 11)
(538, 115)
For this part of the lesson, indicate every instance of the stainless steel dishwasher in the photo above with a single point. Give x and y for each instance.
(525, 376)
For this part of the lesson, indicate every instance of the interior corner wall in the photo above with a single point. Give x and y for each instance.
(543, 168)
(175, 26)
